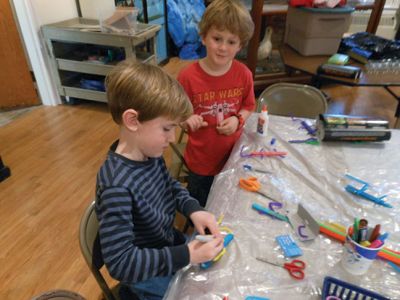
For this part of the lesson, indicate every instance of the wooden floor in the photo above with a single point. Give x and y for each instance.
(54, 154)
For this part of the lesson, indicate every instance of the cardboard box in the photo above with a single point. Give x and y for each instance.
(316, 31)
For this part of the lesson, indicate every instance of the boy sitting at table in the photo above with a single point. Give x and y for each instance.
(221, 90)
(136, 198)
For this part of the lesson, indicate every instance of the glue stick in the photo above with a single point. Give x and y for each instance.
(262, 122)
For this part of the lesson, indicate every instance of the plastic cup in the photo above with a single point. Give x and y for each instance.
(356, 258)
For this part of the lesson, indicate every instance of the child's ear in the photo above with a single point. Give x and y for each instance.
(130, 119)
(202, 40)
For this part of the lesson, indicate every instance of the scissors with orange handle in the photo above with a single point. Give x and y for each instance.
(295, 267)
(252, 184)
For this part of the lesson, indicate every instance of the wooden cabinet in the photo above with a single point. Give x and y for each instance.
(81, 56)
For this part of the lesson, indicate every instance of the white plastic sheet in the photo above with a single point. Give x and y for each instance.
(312, 175)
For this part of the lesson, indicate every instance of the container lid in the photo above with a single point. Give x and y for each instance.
(325, 10)
(264, 108)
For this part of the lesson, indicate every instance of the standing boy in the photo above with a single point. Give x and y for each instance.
(136, 198)
(221, 90)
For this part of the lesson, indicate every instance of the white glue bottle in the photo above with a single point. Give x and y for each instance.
(262, 122)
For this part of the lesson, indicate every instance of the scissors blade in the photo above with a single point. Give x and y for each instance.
(251, 168)
(268, 197)
(268, 262)
(262, 171)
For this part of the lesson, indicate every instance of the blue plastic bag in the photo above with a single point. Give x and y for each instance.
(183, 19)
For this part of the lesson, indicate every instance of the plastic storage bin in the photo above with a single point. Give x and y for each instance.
(344, 290)
(123, 20)
(316, 31)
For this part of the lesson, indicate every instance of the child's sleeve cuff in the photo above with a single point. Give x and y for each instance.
(190, 207)
(180, 256)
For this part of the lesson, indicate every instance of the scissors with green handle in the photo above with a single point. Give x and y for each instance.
(295, 267)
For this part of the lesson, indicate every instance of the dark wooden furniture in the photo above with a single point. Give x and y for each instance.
(259, 10)
(309, 65)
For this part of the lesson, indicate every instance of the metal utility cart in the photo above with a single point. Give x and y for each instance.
(81, 55)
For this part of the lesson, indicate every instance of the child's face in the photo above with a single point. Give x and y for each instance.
(154, 136)
(222, 46)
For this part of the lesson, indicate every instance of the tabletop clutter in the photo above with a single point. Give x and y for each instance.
(363, 240)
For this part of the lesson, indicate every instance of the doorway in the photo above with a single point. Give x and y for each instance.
(16, 88)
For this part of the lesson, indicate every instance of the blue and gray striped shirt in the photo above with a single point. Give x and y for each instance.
(136, 203)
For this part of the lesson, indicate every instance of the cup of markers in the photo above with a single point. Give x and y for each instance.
(361, 246)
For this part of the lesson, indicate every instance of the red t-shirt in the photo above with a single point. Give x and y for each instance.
(215, 98)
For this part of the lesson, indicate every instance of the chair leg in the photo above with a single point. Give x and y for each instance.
(397, 123)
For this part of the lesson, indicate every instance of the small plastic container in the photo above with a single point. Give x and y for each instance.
(357, 259)
(337, 289)
(263, 121)
(123, 20)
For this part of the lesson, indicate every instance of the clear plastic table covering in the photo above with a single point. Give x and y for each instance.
(312, 175)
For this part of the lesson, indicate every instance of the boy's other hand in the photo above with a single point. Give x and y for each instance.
(228, 126)
(201, 252)
(202, 220)
(195, 122)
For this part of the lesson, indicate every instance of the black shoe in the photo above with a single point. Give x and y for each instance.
(4, 171)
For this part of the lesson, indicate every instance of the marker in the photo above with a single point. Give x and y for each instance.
(355, 229)
(204, 238)
(350, 231)
(379, 241)
(383, 237)
(376, 244)
(267, 211)
(365, 243)
(362, 230)
(375, 233)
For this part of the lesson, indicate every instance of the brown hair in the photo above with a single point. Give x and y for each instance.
(147, 89)
(231, 15)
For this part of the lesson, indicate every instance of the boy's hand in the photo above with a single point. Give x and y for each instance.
(194, 122)
(203, 220)
(228, 126)
(201, 252)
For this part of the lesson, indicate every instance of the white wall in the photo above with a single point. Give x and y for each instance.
(51, 11)
(92, 8)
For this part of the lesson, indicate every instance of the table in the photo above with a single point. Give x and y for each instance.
(314, 176)
(259, 9)
(309, 64)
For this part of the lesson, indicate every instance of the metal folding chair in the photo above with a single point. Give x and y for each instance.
(293, 100)
(90, 248)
